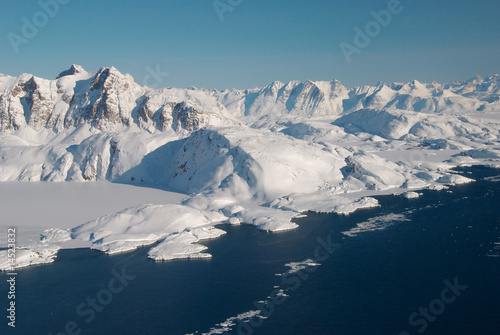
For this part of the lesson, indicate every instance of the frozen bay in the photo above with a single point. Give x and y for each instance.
(32, 207)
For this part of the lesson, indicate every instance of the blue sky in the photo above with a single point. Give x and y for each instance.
(257, 42)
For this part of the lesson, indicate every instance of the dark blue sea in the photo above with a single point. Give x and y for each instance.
(435, 269)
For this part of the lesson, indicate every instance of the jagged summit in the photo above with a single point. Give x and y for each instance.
(477, 79)
(74, 69)
(108, 98)
(493, 78)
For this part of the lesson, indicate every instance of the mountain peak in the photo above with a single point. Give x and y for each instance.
(477, 79)
(493, 78)
(109, 76)
(107, 70)
(74, 69)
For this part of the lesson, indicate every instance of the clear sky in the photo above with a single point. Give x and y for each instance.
(257, 42)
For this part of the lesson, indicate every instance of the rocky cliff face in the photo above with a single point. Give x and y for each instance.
(173, 115)
(28, 103)
(103, 100)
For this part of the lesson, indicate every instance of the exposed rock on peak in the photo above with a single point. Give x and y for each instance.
(189, 117)
(74, 69)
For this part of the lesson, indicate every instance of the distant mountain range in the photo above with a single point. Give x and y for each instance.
(108, 97)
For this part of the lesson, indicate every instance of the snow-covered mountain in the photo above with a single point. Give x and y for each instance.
(256, 156)
(104, 100)
(107, 98)
(321, 98)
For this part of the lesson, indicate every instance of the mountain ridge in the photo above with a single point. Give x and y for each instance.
(108, 97)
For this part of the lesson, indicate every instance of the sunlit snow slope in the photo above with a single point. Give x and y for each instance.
(257, 156)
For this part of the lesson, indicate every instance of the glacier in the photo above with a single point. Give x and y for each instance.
(260, 156)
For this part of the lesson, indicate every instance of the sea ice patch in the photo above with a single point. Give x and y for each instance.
(376, 223)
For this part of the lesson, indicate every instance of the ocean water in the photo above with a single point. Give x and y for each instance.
(429, 265)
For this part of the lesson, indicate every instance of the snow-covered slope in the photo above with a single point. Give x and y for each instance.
(329, 99)
(257, 156)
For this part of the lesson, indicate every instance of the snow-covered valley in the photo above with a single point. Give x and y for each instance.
(261, 156)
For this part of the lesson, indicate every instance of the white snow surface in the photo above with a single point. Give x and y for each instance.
(259, 156)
